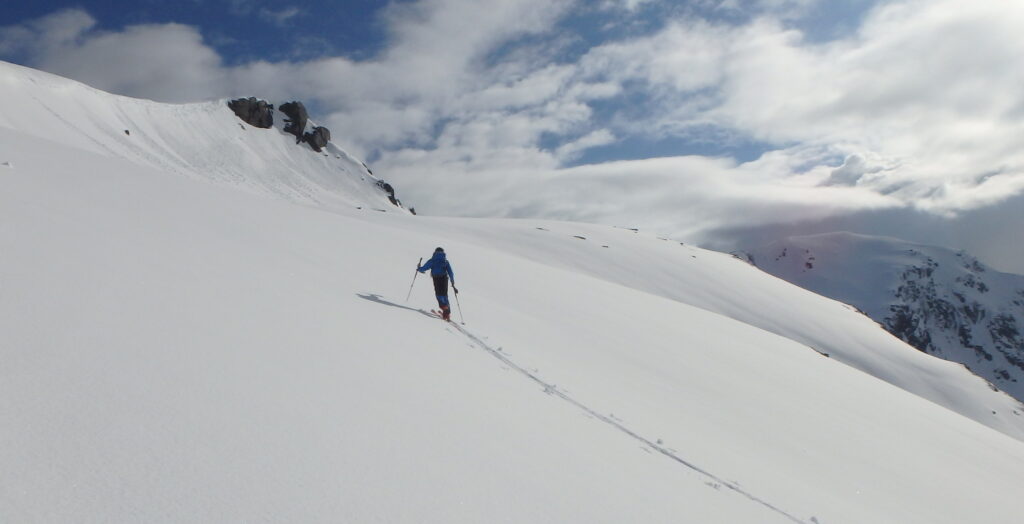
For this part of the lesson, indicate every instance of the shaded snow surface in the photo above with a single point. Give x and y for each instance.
(177, 350)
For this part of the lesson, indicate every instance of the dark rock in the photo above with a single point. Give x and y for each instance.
(318, 138)
(257, 113)
(296, 121)
(390, 191)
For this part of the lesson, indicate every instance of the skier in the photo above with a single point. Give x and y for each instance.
(441, 272)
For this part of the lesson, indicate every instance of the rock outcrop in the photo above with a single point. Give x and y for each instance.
(258, 113)
(255, 112)
(390, 191)
(297, 118)
(318, 138)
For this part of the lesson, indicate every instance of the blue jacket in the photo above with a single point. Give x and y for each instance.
(438, 265)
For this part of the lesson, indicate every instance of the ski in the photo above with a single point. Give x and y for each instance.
(439, 315)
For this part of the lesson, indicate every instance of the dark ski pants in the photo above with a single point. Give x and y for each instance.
(441, 290)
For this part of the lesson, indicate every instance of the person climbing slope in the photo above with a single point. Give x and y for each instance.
(441, 272)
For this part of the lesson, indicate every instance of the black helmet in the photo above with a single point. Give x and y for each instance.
(439, 250)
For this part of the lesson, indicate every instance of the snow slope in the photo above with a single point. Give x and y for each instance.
(176, 350)
(726, 285)
(204, 141)
(943, 302)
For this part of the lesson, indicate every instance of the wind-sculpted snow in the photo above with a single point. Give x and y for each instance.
(942, 302)
(176, 350)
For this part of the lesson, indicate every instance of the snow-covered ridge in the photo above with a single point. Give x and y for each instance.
(201, 140)
(942, 302)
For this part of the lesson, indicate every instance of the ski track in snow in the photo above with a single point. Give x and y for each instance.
(611, 420)
(552, 389)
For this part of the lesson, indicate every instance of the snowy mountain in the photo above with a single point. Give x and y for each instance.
(202, 141)
(203, 321)
(942, 302)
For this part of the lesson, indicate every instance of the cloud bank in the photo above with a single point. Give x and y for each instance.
(495, 108)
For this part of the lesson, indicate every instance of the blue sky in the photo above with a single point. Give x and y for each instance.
(242, 30)
(718, 122)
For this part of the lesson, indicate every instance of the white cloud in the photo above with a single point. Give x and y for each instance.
(14, 40)
(679, 196)
(854, 168)
(784, 9)
(571, 150)
(47, 34)
(685, 56)
(893, 100)
(280, 17)
(627, 5)
(920, 108)
(927, 91)
(166, 62)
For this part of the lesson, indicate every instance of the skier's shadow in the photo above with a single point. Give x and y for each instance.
(377, 298)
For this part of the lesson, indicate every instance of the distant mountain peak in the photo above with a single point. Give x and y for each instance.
(943, 302)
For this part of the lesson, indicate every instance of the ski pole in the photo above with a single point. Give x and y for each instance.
(462, 318)
(414, 279)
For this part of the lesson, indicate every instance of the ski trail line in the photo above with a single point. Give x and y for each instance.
(553, 390)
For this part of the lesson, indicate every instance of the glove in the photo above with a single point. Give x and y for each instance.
(456, 289)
